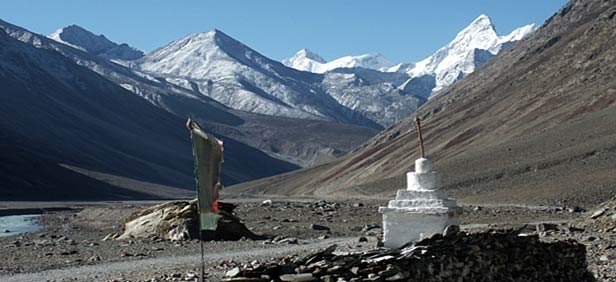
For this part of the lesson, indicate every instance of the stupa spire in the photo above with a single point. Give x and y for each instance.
(421, 210)
(420, 136)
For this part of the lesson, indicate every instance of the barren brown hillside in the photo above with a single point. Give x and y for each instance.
(535, 124)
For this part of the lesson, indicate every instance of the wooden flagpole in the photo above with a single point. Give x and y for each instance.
(419, 134)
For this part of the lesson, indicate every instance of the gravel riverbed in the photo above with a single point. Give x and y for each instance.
(71, 246)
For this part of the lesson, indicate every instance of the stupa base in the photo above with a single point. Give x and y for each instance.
(400, 227)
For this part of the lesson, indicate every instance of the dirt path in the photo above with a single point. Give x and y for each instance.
(104, 271)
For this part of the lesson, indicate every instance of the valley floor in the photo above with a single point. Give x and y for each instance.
(71, 246)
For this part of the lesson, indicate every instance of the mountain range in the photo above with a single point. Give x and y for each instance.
(307, 60)
(256, 130)
(533, 125)
(272, 118)
(345, 90)
(59, 139)
(471, 47)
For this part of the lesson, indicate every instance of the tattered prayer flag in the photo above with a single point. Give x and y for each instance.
(207, 151)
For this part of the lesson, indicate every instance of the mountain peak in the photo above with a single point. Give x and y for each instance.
(483, 18)
(472, 46)
(85, 40)
(479, 34)
(213, 37)
(81, 38)
(308, 54)
(214, 32)
(78, 29)
(482, 23)
(199, 54)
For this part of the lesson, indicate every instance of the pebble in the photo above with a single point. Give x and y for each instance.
(319, 227)
(597, 214)
(290, 240)
(369, 227)
(66, 253)
(233, 272)
(303, 277)
(451, 230)
(608, 257)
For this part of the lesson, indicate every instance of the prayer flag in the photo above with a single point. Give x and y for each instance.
(207, 151)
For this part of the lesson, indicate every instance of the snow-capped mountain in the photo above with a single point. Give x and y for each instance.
(256, 144)
(373, 93)
(214, 65)
(80, 38)
(243, 161)
(230, 72)
(306, 60)
(351, 89)
(471, 47)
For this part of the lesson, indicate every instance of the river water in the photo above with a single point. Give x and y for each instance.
(12, 225)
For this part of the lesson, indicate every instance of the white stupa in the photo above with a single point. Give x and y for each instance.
(419, 211)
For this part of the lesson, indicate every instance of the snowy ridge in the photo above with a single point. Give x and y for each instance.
(306, 60)
(237, 76)
(82, 39)
(351, 89)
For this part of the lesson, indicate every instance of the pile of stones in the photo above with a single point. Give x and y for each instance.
(504, 255)
(601, 219)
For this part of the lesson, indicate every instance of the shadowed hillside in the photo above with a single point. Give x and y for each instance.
(535, 124)
(61, 124)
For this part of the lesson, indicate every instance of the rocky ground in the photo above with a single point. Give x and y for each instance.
(72, 246)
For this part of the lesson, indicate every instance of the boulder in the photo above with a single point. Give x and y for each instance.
(178, 221)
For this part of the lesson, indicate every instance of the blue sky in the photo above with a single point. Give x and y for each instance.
(403, 31)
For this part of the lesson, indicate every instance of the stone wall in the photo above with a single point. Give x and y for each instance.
(488, 256)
